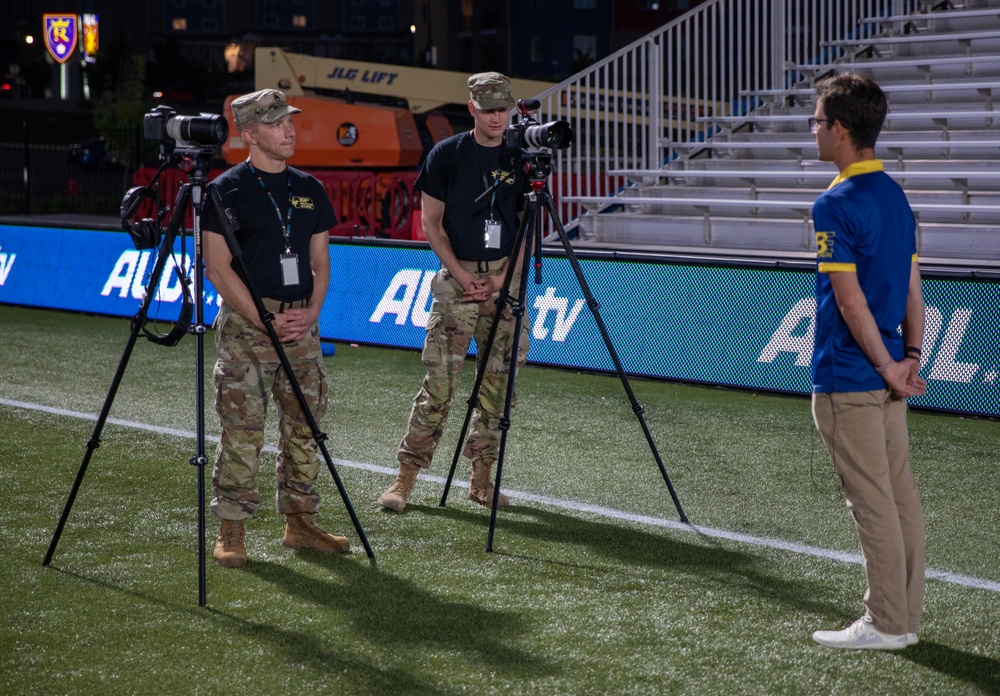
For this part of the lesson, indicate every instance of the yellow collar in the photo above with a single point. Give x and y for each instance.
(862, 167)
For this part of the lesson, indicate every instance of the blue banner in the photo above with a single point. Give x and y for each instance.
(736, 326)
(90, 271)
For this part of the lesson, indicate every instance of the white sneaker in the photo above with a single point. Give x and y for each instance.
(862, 635)
(911, 639)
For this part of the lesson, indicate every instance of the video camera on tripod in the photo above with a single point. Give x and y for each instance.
(535, 138)
(196, 134)
(536, 141)
(187, 141)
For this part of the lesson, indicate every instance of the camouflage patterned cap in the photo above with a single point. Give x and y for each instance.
(266, 106)
(490, 90)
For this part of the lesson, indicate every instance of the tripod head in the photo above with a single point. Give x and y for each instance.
(537, 165)
(195, 162)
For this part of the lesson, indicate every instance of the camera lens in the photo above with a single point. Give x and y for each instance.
(203, 130)
(555, 135)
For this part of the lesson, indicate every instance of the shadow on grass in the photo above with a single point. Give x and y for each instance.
(626, 545)
(406, 619)
(978, 670)
(348, 673)
(388, 611)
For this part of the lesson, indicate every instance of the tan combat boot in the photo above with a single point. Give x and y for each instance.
(480, 486)
(399, 492)
(230, 549)
(302, 533)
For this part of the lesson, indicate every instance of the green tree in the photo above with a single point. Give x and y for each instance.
(119, 110)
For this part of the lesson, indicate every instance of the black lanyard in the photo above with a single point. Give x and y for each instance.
(485, 173)
(286, 223)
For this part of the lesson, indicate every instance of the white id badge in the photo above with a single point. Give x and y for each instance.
(290, 269)
(492, 237)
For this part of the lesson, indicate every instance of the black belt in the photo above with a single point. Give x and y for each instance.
(484, 266)
(278, 306)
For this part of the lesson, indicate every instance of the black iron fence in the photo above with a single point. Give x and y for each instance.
(90, 176)
(87, 177)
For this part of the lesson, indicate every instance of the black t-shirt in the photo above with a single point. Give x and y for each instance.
(457, 171)
(260, 235)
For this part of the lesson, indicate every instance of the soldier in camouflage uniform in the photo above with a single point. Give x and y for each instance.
(474, 242)
(283, 218)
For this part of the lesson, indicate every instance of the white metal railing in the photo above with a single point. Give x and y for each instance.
(638, 108)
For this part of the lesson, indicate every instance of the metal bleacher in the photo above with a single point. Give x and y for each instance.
(743, 182)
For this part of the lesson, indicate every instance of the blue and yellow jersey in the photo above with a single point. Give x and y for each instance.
(864, 225)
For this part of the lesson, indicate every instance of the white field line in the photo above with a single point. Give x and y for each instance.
(611, 513)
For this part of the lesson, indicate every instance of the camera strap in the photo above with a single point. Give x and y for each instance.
(180, 329)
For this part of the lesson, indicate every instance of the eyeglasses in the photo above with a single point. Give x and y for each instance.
(814, 123)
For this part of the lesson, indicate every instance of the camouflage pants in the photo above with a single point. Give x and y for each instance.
(451, 326)
(247, 373)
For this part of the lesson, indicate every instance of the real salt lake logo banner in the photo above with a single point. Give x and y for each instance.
(61, 35)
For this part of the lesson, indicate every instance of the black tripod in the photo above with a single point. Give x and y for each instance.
(193, 193)
(538, 167)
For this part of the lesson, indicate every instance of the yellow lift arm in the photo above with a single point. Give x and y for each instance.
(424, 89)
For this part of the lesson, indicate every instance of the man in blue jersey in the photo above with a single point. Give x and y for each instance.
(868, 339)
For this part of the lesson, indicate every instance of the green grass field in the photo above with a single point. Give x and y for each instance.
(593, 586)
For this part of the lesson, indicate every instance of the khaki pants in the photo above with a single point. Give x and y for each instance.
(866, 435)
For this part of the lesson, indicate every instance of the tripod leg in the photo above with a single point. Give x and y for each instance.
(484, 350)
(593, 305)
(200, 459)
(347, 501)
(461, 437)
(138, 321)
(519, 310)
(95, 438)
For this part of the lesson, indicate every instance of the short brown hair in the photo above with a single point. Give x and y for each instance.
(858, 103)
